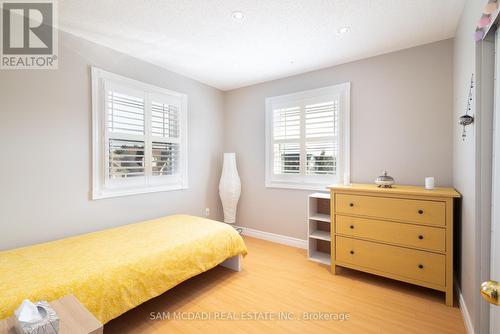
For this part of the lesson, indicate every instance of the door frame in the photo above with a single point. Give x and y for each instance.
(483, 119)
(495, 205)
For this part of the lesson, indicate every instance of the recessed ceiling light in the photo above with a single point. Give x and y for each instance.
(237, 16)
(343, 30)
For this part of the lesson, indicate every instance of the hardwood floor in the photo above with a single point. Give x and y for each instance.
(277, 278)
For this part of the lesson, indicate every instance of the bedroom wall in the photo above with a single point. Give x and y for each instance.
(464, 162)
(401, 120)
(45, 131)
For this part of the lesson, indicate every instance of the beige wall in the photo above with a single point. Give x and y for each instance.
(464, 159)
(401, 120)
(45, 174)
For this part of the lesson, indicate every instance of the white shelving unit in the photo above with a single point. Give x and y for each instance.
(318, 224)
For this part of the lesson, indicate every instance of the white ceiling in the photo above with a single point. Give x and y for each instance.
(277, 38)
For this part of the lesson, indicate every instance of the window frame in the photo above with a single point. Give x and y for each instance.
(102, 186)
(304, 181)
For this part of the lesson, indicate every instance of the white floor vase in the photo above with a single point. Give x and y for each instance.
(229, 188)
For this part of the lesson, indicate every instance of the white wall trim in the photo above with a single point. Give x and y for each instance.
(465, 312)
(102, 185)
(298, 186)
(280, 239)
(340, 92)
(483, 114)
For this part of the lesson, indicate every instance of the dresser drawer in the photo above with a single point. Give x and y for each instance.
(431, 238)
(425, 212)
(404, 262)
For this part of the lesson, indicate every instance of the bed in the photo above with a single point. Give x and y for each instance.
(114, 270)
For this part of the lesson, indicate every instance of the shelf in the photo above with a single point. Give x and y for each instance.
(320, 257)
(320, 195)
(320, 217)
(320, 235)
(318, 240)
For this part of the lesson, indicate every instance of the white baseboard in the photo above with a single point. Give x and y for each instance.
(465, 312)
(280, 239)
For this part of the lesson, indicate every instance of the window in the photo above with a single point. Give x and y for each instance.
(307, 138)
(139, 137)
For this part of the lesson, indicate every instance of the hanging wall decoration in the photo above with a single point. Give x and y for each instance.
(468, 119)
(490, 12)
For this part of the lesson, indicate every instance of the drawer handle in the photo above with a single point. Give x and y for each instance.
(351, 204)
(352, 252)
(351, 227)
(421, 266)
(420, 212)
(421, 237)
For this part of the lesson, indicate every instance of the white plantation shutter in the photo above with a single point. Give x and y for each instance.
(287, 158)
(139, 137)
(286, 136)
(165, 126)
(125, 113)
(304, 137)
(321, 158)
(307, 137)
(126, 140)
(165, 158)
(165, 120)
(126, 158)
(286, 123)
(321, 119)
(321, 137)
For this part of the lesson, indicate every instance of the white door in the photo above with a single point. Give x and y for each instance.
(495, 200)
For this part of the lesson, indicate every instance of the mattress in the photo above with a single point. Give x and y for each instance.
(114, 270)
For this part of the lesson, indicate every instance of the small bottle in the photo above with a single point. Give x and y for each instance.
(429, 182)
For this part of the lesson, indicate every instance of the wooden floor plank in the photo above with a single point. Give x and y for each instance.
(277, 278)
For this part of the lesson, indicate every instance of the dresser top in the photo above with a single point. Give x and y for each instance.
(398, 189)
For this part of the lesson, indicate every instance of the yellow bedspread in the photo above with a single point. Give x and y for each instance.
(113, 271)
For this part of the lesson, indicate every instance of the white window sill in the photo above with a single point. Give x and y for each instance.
(110, 193)
(299, 186)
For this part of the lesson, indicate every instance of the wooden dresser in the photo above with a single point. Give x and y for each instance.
(404, 233)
